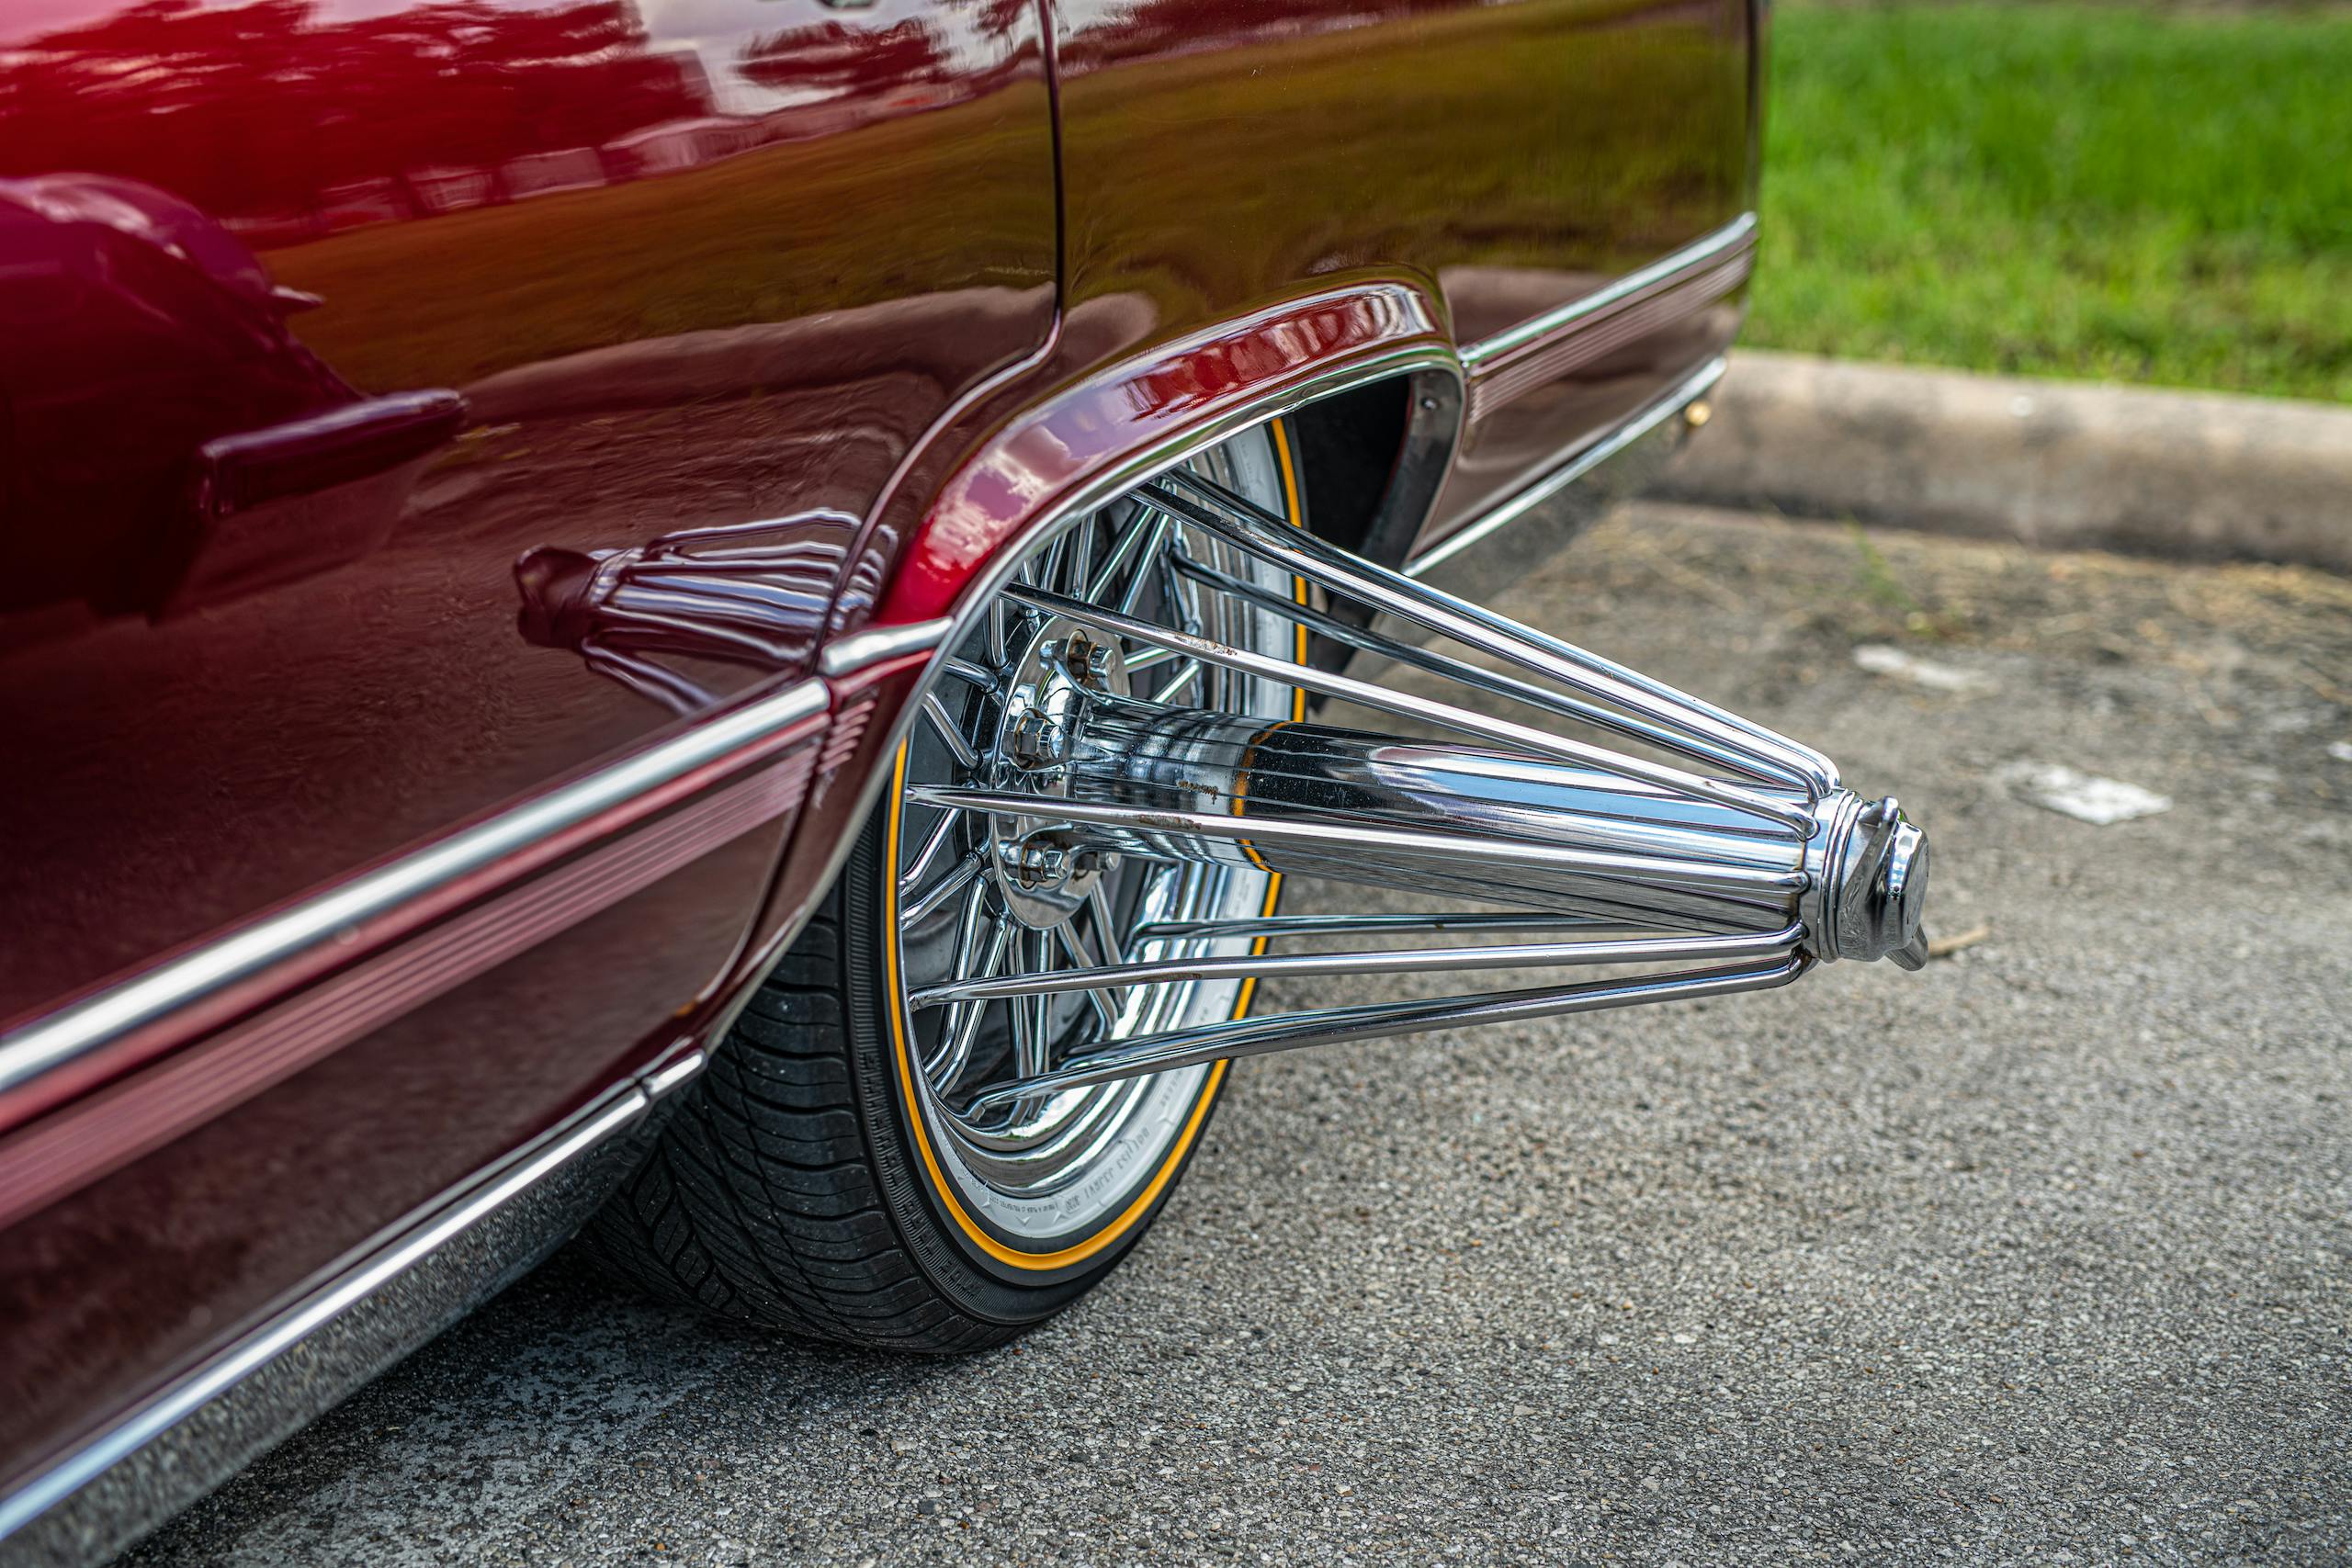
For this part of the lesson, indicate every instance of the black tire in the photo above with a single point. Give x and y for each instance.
(785, 1192)
(797, 1184)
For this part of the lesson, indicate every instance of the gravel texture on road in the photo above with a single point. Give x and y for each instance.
(2042, 1255)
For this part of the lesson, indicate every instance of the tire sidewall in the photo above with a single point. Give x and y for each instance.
(961, 1271)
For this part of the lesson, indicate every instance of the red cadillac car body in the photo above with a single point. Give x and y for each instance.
(484, 480)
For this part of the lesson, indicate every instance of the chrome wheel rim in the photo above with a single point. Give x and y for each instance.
(975, 896)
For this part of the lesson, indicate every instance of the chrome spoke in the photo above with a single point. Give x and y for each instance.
(1366, 925)
(1028, 1042)
(1415, 961)
(1336, 1026)
(943, 725)
(1336, 839)
(963, 670)
(1789, 815)
(1148, 560)
(1067, 934)
(1180, 685)
(1106, 925)
(1251, 528)
(1131, 538)
(968, 950)
(933, 843)
(963, 871)
(963, 1026)
(1080, 576)
(1183, 608)
(1150, 657)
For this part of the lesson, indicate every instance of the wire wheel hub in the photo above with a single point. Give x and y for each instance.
(1046, 874)
(1692, 852)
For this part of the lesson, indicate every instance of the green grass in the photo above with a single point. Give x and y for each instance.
(2064, 190)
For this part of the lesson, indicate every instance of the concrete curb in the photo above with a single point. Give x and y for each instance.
(2048, 463)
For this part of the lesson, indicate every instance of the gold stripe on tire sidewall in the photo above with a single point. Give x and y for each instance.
(1109, 1234)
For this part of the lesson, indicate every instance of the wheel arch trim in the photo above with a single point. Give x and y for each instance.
(1080, 447)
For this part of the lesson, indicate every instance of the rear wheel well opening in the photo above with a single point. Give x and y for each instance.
(1375, 457)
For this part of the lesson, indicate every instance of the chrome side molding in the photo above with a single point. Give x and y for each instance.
(153, 1010)
(357, 1318)
(1701, 258)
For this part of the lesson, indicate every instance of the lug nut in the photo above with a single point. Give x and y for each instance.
(1030, 740)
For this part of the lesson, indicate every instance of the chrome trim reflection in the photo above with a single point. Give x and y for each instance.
(863, 650)
(410, 1244)
(333, 917)
(1668, 269)
(1518, 504)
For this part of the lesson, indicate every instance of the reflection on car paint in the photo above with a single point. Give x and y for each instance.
(318, 317)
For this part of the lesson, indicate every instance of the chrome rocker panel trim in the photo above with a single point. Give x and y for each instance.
(171, 993)
(98, 1495)
(354, 1322)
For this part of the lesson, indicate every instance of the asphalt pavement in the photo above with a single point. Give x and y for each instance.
(2042, 1255)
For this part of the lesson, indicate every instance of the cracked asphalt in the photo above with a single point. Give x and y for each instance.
(2043, 1255)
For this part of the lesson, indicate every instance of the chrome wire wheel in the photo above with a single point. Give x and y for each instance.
(1046, 1183)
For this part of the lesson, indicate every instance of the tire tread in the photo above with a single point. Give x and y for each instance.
(758, 1202)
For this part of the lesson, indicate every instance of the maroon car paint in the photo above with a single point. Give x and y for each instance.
(1041, 459)
(1518, 157)
(322, 320)
(185, 760)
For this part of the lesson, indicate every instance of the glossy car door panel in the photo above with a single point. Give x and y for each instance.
(384, 442)
(1521, 155)
(713, 317)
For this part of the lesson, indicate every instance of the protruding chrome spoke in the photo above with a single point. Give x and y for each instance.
(1335, 1026)
(1367, 925)
(1334, 840)
(1249, 527)
(1557, 704)
(1419, 961)
(1788, 816)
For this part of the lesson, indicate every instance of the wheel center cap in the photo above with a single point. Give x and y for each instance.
(1043, 873)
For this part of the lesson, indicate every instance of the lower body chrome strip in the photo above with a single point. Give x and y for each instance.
(1647, 439)
(118, 1500)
